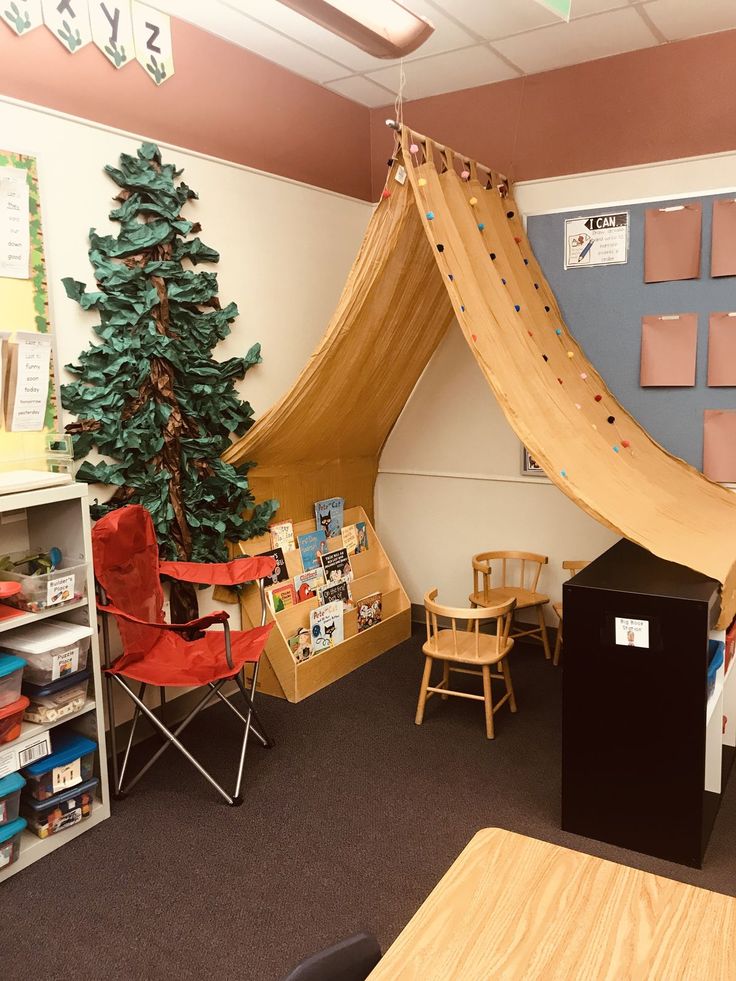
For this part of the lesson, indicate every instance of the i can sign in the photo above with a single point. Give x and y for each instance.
(559, 7)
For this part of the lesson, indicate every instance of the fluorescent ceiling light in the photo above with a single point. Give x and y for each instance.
(383, 28)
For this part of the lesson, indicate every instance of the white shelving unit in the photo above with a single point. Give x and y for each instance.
(723, 697)
(33, 519)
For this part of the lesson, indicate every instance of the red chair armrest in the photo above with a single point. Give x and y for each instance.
(201, 623)
(220, 573)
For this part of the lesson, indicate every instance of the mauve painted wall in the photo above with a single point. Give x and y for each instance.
(675, 100)
(223, 101)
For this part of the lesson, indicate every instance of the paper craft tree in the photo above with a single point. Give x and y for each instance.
(150, 398)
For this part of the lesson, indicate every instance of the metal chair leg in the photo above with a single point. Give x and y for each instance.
(269, 743)
(136, 716)
(171, 737)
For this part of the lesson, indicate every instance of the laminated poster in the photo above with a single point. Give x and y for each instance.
(28, 382)
(15, 237)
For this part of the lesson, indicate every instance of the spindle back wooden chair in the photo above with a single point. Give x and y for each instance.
(517, 577)
(572, 566)
(477, 651)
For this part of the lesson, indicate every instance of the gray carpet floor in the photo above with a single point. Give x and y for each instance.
(348, 823)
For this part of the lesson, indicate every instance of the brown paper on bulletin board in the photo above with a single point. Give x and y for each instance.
(672, 243)
(668, 350)
(722, 350)
(24, 308)
(719, 445)
(723, 238)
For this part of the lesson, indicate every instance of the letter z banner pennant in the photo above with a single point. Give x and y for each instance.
(152, 31)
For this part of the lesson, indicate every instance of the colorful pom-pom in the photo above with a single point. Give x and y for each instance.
(546, 309)
(530, 333)
(583, 375)
(465, 174)
(595, 427)
(474, 336)
(492, 255)
(509, 214)
(430, 215)
(571, 354)
(558, 332)
(413, 148)
(598, 398)
(386, 193)
(481, 226)
(503, 281)
(563, 473)
(440, 248)
(545, 357)
(422, 182)
(390, 162)
(450, 277)
(536, 286)
(578, 405)
(517, 239)
(611, 419)
(517, 308)
(473, 201)
(615, 449)
(625, 443)
(463, 309)
(559, 380)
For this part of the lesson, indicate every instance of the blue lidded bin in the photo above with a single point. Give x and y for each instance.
(11, 675)
(71, 763)
(10, 788)
(61, 811)
(10, 837)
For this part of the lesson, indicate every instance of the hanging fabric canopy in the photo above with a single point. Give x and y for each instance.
(446, 242)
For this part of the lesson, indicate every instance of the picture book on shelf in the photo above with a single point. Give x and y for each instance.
(281, 596)
(370, 611)
(312, 545)
(306, 584)
(329, 515)
(355, 538)
(282, 535)
(300, 645)
(280, 573)
(336, 565)
(326, 627)
(335, 591)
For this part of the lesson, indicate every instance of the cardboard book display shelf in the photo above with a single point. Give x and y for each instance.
(281, 674)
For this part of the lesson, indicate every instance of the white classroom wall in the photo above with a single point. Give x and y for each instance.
(285, 248)
(449, 481)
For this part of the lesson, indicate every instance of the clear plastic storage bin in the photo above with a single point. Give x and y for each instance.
(10, 838)
(71, 763)
(11, 719)
(46, 818)
(51, 702)
(52, 649)
(11, 675)
(57, 588)
(10, 788)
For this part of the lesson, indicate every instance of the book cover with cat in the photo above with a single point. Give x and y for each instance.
(280, 573)
(355, 538)
(369, 611)
(336, 565)
(282, 535)
(307, 583)
(329, 515)
(326, 627)
(312, 545)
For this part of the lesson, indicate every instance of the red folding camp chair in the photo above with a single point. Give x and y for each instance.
(163, 654)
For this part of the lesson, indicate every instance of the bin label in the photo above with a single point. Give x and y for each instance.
(632, 633)
(60, 590)
(66, 776)
(64, 663)
(6, 853)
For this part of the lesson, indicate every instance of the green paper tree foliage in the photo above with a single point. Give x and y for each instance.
(149, 397)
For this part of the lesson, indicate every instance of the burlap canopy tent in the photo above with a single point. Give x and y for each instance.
(449, 242)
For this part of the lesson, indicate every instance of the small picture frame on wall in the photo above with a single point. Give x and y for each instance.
(529, 466)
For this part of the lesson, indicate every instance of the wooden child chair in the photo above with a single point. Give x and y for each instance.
(468, 647)
(519, 579)
(572, 566)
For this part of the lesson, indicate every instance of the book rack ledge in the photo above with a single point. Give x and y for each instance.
(280, 673)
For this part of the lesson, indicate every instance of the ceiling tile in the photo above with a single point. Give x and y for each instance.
(446, 72)
(581, 8)
(230, 24)
(498, 18)
(578, 41)
(362, 90)
(677, 19)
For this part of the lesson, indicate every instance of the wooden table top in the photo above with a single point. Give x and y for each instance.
(512, 907)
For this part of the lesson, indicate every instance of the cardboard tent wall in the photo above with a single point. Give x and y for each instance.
(449, 242)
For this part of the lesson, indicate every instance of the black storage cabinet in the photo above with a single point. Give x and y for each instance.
(634, 718)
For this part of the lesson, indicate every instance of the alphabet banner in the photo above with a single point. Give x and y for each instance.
(68, 21)
(123, 30)
(152, 32)
(22, 15)
(112, 30)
